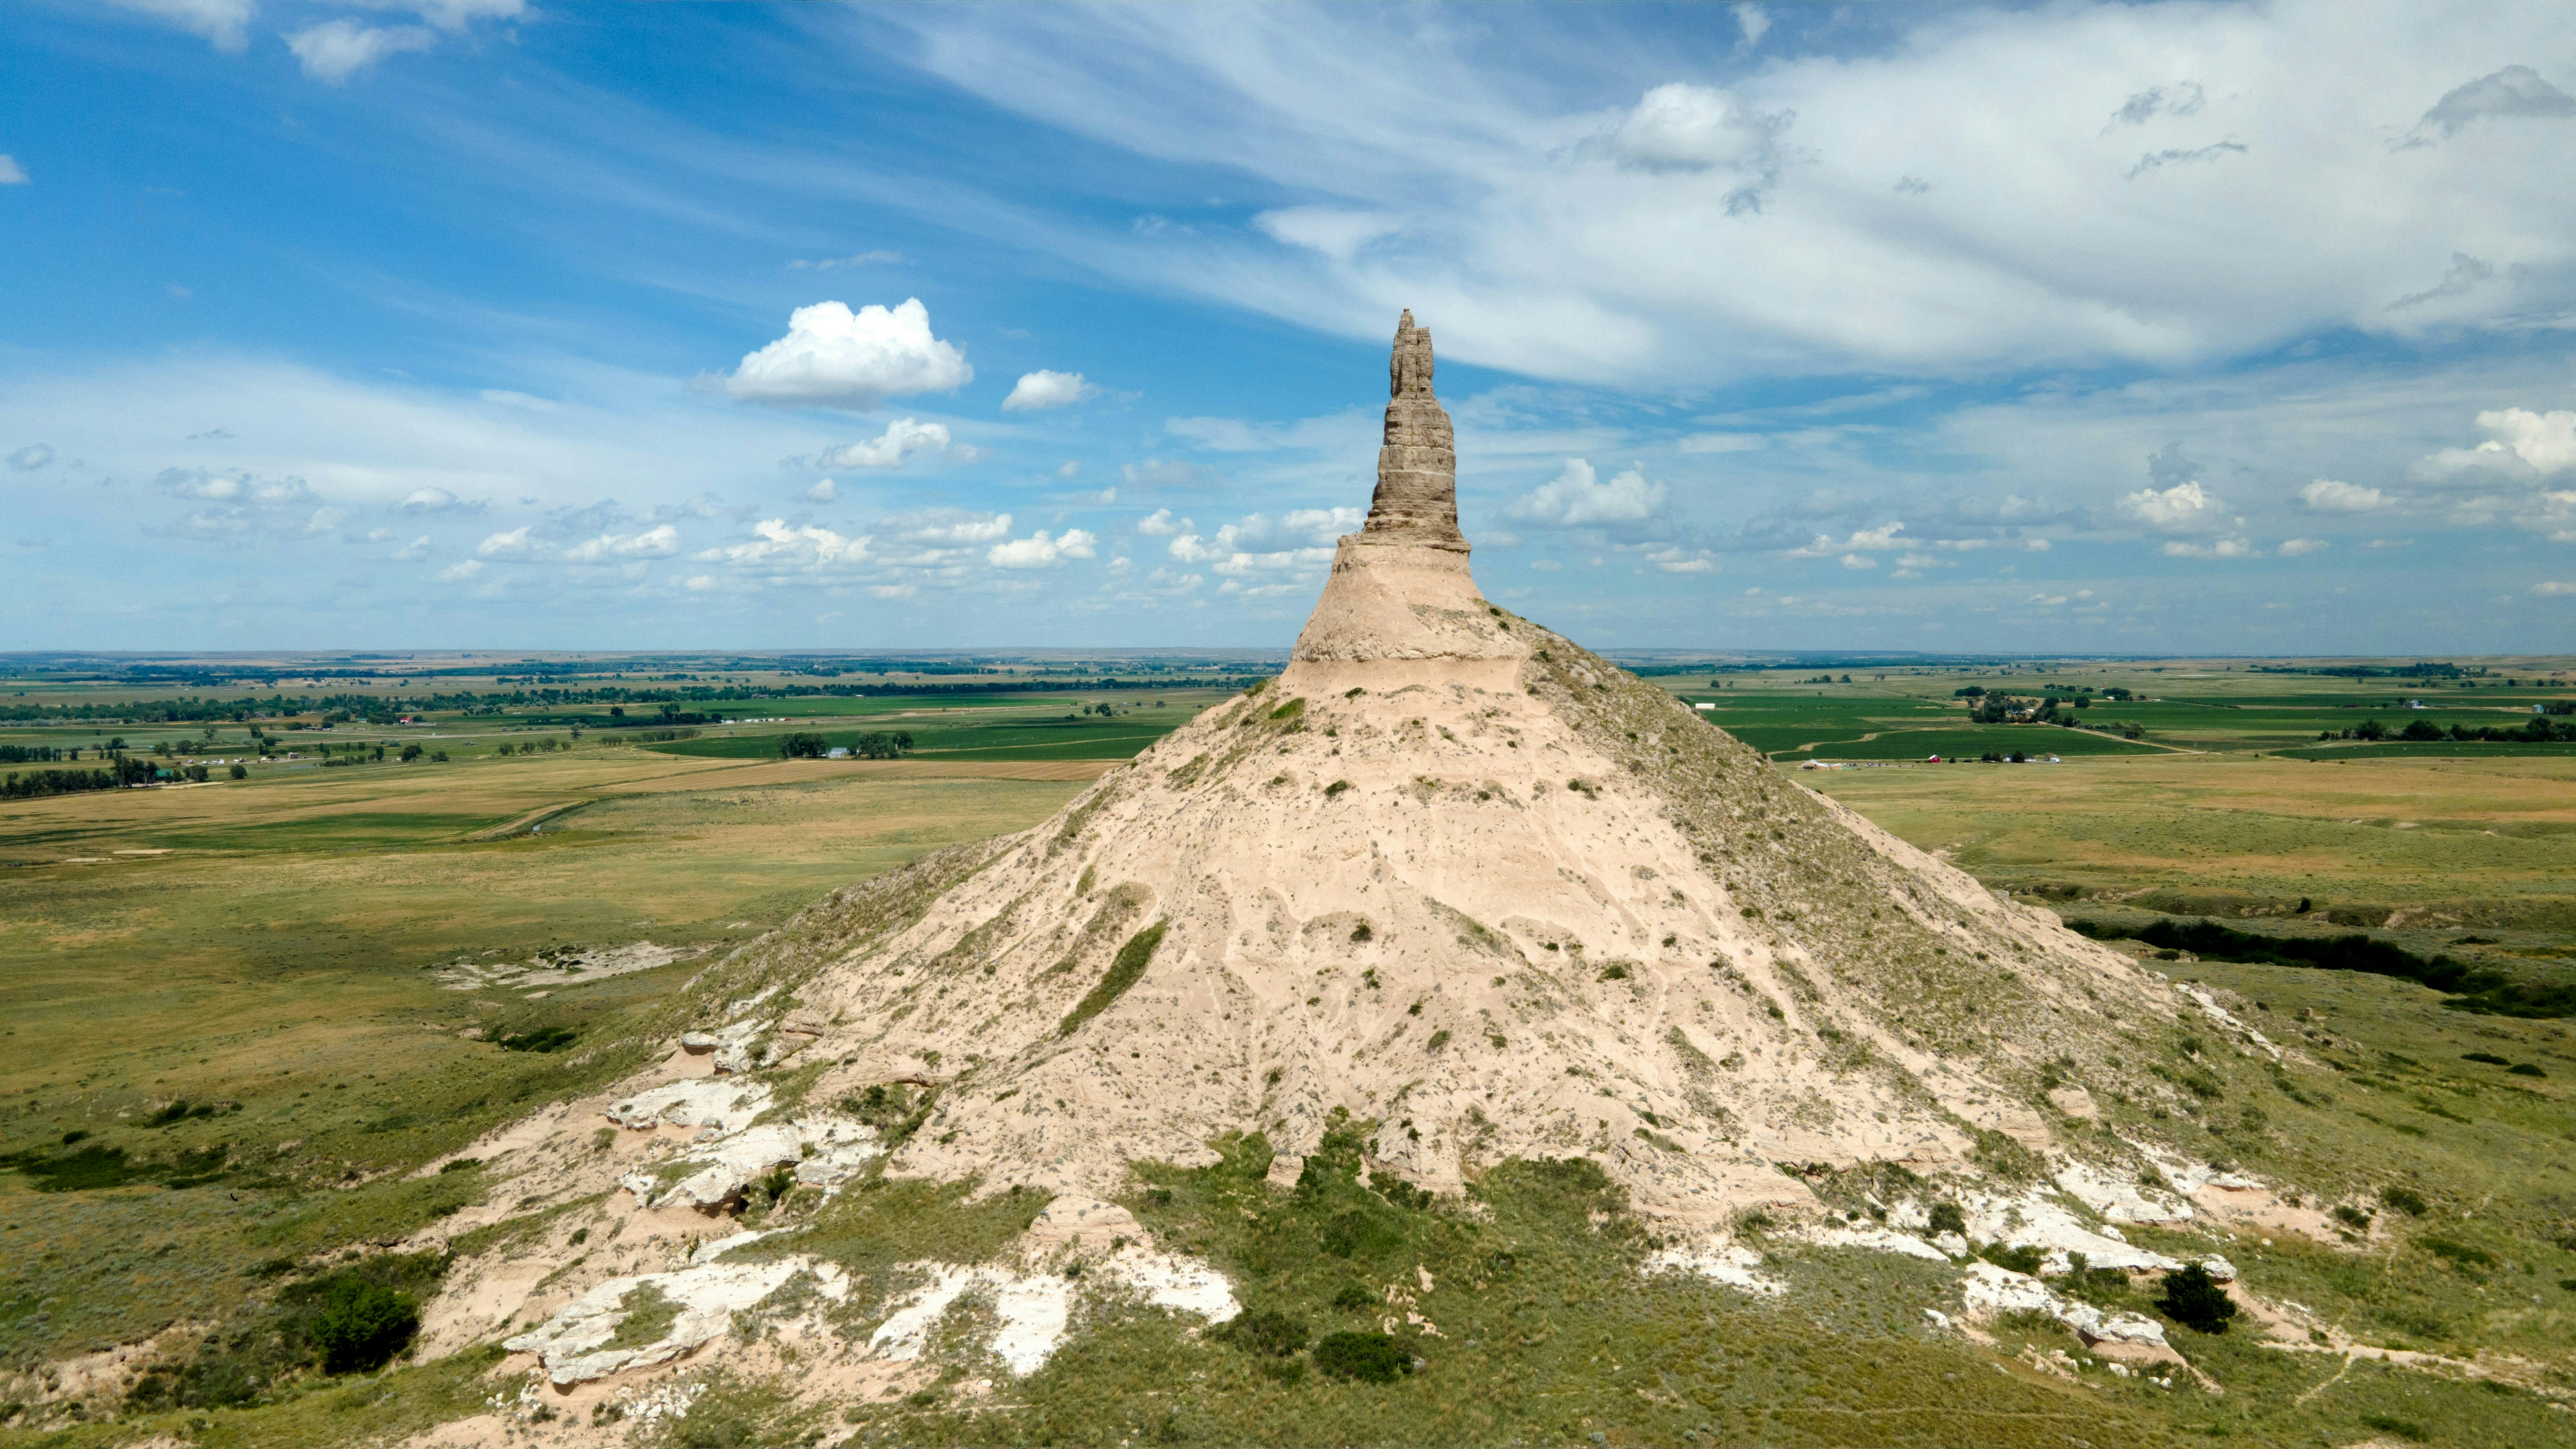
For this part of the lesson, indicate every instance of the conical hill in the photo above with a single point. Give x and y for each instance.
(1462, 881)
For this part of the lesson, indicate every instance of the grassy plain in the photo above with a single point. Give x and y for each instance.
(271, 949)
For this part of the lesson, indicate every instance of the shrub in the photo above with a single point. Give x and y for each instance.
(2525, 1069)
(1353, 1295)
(2023, 1259)
(2458, 1255)
(1371, 1358)
(1946, 1218)
(2352, 1217)
(2490, 1058)
(1335, 788)
(241, 772)
(2405, 1200)
(1265, 1333)
(543, 1039)
(1124, 971)
(2193, 1299)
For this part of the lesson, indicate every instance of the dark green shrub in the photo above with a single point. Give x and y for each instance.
(1369, 1358)
(2405, 1200)
(1947, 1218)
(543, 1039)
(1265, 1334)
(2024, 1259)
(2525, 1069)
(2195, 1300)
(1353, 1295)
(2490, 1058)
(2402, 1428)
(802, 746)
(2352, 1217)
(357, 1326)
(2458, 1255)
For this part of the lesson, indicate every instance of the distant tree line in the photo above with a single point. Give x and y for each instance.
(2537, 731)
(119, 772)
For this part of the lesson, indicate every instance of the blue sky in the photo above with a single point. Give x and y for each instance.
(2121, 328)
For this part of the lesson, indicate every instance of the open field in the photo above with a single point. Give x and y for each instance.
(281, 955)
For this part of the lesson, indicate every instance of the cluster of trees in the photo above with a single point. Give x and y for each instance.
(874, 745)
(32, 754)
(119, 772)
(2539, 731)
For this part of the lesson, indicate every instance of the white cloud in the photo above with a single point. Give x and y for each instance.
(1597, 244)
(2546, 442)
(335, 50)
(1161, 524)
(823, 492)
(224, 23)
(1038, 551)
(1072, 469)
(457, 573)
(11, 173)
(2328, 495)
(31, 457)
(2222, 548)
(1859, 561)
(513, 544)
(1576, 498)
(1682, 127)
(1299, 541)
(1723, 443)
(1043, 389)
(2301, 547)
(1334, 232)
(780, 549)
(412, 552)
(2183, 508)
(529, 402)
(1754, 22)
(659, 542)
(2553, 587)
(435, 500)
(454, 15)
(834, 357)
(946, 527)
(902, 440)
(1870, 540)
(1546, 565)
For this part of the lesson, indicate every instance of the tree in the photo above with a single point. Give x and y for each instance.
(411, 753)
(241, 772)
(802, 746)
(2195, 1300)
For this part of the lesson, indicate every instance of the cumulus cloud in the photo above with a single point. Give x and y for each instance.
(1877, 539)
(224, 23)
(11, 173)
(2515, 91)
(513, 544)
(412, 552)
(902, 440)
(2329, 495)
(659, 542)
(335, 50)
(2520, 443)
(31, 457)
(1038, 551)
(2554, 588)
(435, 500)
(1258, 543)
(1681, 127)
(2183, 508)
(1042, 389)
(459, 572)
(778, 548)
(947, 527)
(823, 492)
(1859, 561)
(1161, 524)
(1577, 498)
(2301, 547)
(834, 357)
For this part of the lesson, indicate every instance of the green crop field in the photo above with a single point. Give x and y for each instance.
(1011, 735)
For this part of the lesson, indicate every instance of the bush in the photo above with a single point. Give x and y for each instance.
(361, 1326)
(2352, 1217)
(241, 772)
(1946, 1218)
(1265, 1334)
(2406, 1200)
(2193, 1299)
(2023, 1259)
(1369, 1358)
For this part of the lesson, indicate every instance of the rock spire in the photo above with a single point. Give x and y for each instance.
(1417, 468)
(1400, 588)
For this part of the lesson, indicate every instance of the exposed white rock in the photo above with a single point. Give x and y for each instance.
(1035, 1309)
(2033, 1220)
(579, 1341)
(2219, 1269)
(714, 1248)
(1988, 1290)
(825, 1151)
(2121, 1200)
(1731, 1264)
(2210, 1008)
(726, 1106)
